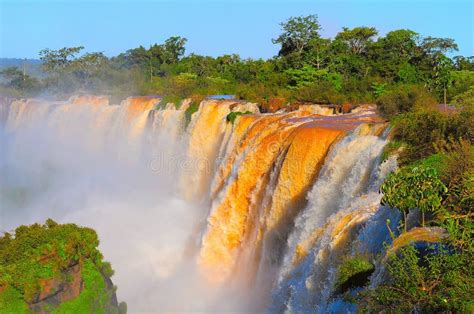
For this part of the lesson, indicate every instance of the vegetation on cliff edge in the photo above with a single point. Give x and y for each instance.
(39, 262)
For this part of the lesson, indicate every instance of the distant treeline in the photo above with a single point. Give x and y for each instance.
(355, 66)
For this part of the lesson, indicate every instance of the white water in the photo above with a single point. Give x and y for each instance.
(345, 188)
(97, 167)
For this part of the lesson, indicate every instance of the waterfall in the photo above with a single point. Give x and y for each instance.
(261, 209)
(340, 202)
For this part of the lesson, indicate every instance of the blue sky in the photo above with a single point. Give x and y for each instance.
(213, 27)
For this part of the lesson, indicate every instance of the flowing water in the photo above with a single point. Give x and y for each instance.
(203, 215)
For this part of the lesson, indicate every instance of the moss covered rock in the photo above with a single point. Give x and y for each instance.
(353, 272)
(54, 268)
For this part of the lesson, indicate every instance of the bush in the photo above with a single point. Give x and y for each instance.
(233, 115)
(413, 188)
(176, 100)
(353, 272)
(422, 131)
(193, 107)
(466, 98)
(458, 175)
(404, 98)
(320, 93)
(439, 281)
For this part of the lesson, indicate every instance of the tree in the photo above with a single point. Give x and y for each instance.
(88, 65)
(16, 79)
(442, 77)
(391, 56)
(55, 61)
(436, 46)
(318, 54)
(464, 63)
(400, 43)
(136, 57)
(357, 38)
(174, 49)
(297, 34)
(418, 187)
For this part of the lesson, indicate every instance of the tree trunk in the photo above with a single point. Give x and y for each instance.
(405, 220)
(151, 72)
(444, 98)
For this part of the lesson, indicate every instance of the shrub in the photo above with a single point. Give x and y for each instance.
(458, 175)
(413, 188)
(193, 107)
(353, 272)
(233, 115)
(176, 100)
(424, 130)
(403, 98)
(466, 98)
(320, 93)
(439, 281)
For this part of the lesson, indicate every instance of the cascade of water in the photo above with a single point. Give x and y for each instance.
(290, 192)
(229, 211)
(341, 201)
(205, 134)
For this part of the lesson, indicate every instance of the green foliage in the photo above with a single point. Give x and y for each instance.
(176, 100)
(458, 175)
(423, 130)
(414, 188)
(404, 98)
(233, 115)
(37, 253)
(193, 107)
(58, 60)
(11, 301)
(297, 34)
(440, 281)
(93, 299)
(308, 76)
(466, 98)
(378, 88)
(321, 93)
(15, 79)
(122, 308)
(358, 39)
(352, 267)
(436, 162)
(392, 147)
(307, 65)
(442, 78)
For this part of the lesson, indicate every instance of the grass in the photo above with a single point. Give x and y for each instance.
(193, 107)
(233, 115)
(348, 271)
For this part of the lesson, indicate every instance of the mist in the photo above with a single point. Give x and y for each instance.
(95, 167)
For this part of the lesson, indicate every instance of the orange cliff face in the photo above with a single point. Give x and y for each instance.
(249, 206)
(139, 104)
(205, 134)
(302, 161)
(228, 221)
(89, 100)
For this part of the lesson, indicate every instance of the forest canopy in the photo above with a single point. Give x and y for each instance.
(358, 65)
